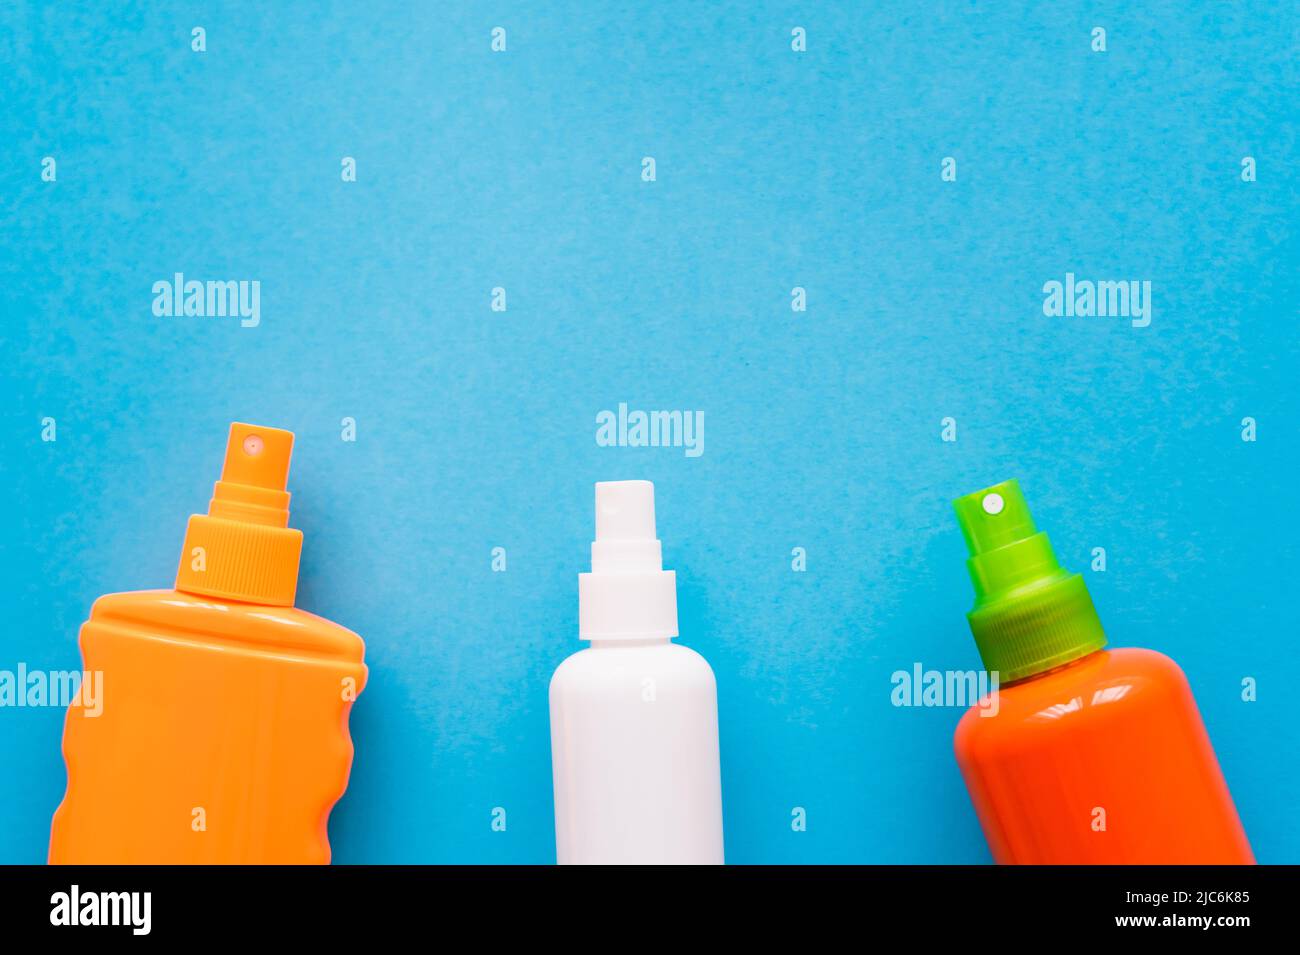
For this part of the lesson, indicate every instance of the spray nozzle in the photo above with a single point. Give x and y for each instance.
(243, 548)
(628, 594)
(994, 517)
(1007, 551)
(254, 476)
(625, 510)
(258, 456)
(1030, 613)
(625, 529)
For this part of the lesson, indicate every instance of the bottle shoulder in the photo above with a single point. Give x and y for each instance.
(1105, 684)
(177, 614)
(616, 663)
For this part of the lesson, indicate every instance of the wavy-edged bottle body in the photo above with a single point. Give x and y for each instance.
(223, 734)
(634, 750)
(1103, 761)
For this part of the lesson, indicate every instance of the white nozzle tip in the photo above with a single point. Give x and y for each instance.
(625, 510)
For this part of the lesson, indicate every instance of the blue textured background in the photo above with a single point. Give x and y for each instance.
(476, 429)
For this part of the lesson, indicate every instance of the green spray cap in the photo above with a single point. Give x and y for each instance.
(1030, 613)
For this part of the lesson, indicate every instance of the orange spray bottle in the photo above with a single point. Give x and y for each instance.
(222, 734)
(1088, 755)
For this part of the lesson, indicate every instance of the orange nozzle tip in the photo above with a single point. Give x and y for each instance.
(258, 456)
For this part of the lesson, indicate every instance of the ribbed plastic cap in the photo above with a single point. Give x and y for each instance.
(1030, 614)
(242, 549)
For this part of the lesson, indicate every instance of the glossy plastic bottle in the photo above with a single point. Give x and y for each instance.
(634, 718)
(223, 733)
(1087, 756)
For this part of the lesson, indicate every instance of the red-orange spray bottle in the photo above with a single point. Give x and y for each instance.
(223, 733)
(1089, 756)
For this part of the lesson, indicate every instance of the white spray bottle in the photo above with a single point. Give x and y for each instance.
(634, 718)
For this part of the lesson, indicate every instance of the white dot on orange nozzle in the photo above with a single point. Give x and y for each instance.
(253, 445)
(992, 503)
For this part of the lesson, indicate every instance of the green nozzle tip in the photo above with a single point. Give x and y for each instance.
(1007, 551)
(1030, 613)
(994, 516)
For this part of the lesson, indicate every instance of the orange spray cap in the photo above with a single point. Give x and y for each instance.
(243, 548)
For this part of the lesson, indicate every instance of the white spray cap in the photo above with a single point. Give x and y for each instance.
(625, 510)
(628, 595)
